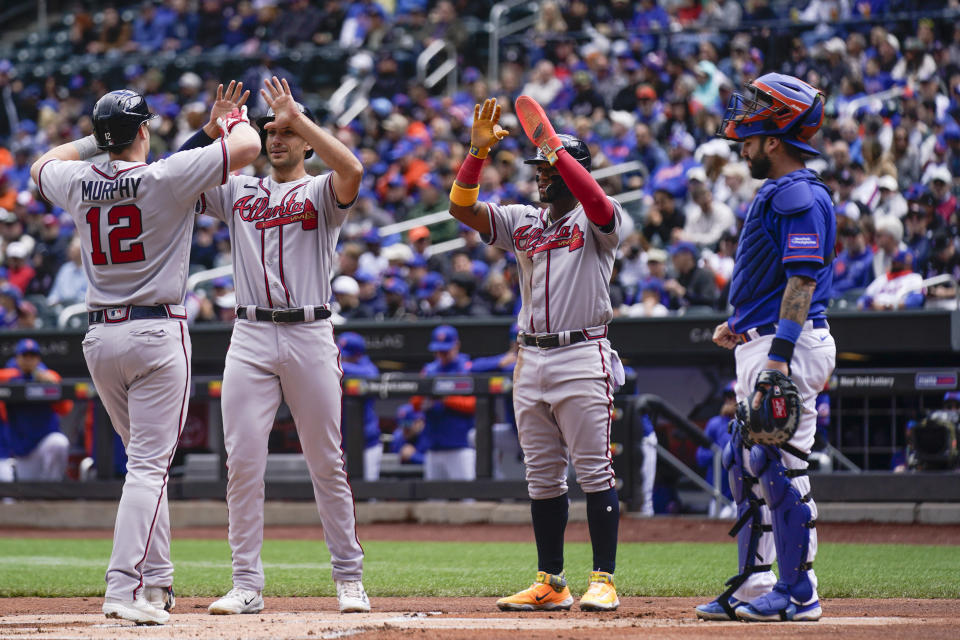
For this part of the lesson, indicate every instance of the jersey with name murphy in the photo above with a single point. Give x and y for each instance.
(283, 235)
(135, 221)
(565, 266)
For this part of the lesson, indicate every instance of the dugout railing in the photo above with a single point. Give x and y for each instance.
(857, 395)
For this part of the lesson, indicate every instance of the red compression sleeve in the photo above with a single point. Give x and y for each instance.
(469, 172)
(584, 188)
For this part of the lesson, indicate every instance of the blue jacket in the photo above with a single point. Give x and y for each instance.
(419, 443)
(852, 272)
(447, 428)
(364, 368)
(27, 423)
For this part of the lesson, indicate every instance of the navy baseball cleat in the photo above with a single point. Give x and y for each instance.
(715, 611)
(776, 606)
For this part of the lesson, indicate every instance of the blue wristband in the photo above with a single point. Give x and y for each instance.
(789, 330)
(781, 350)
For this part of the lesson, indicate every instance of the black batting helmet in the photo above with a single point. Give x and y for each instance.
(574, 146)
(269, 116)
(117, 117)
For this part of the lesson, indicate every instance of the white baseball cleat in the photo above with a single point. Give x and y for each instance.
(237, 601)
(352, 597)
(139, 611)
(160, 597)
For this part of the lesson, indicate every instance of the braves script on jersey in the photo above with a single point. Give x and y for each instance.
(565, 266)
(134, 215)
(270, 222)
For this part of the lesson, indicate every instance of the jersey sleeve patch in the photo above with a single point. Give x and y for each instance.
(803, 241)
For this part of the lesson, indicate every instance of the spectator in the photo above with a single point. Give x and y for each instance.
(650, 305)
(500, 296)
(646, 151)
(891, 203)
(889, 239)
(692, 286)
(664, 221)
(938, 180)
(706, 218)
(543, 86)
(114, 33)
(853, 266)
(32, 430)
(371, 303)
(449, 420)
(718, 430)
(49, 254)
(409, 438)
(356, 364)
(10, 300)
(918, 235)
(899, 288)
(346, 293)
(396, 305)
(462, 287)
(944, 260)
(19, 271)
(70, 283)
(433, 299)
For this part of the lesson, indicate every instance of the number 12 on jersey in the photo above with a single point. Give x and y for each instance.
(131, 230)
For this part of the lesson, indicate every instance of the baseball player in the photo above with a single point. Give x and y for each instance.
(449, 420)
(566, 370)
(357, 364)
(784, 352)
(135, 222)
(284, 231)
(32, 430)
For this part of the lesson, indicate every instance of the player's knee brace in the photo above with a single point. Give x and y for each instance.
(792, 521)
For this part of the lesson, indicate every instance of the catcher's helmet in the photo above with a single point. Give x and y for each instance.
(269, 116)
(574, 146)
(117, 117)
(775, 105)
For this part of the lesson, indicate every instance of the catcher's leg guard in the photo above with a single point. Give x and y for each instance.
(754, 546)
(794, 595)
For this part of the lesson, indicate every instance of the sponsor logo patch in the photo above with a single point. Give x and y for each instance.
(803, 241)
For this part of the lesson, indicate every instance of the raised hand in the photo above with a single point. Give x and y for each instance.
(278, 97)
(226, 102)
(486, 130)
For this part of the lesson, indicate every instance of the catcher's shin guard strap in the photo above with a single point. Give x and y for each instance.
(792, 519)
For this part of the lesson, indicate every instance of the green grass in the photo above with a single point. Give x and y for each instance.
(45, 567)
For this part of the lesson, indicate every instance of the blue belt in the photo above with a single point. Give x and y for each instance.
(135, 312)
(770, 329)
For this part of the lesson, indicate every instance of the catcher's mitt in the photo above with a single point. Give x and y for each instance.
(777, 418)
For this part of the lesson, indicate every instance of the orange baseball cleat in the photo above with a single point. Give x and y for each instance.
(547, 593)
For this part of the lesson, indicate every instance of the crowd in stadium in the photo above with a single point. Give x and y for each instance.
(641, 82)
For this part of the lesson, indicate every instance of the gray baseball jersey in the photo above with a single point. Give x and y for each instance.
(282, 255)
(284, 240)
(563, 397)
(134, 221)
(565, 266)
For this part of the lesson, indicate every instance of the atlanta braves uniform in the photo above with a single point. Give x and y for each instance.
(562, 391)
(284, 249)
(135, 222)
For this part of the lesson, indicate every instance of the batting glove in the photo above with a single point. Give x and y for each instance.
(232, 119)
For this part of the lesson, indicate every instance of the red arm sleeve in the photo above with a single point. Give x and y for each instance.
(584, 188)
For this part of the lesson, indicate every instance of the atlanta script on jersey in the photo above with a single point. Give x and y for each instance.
(565, 266)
